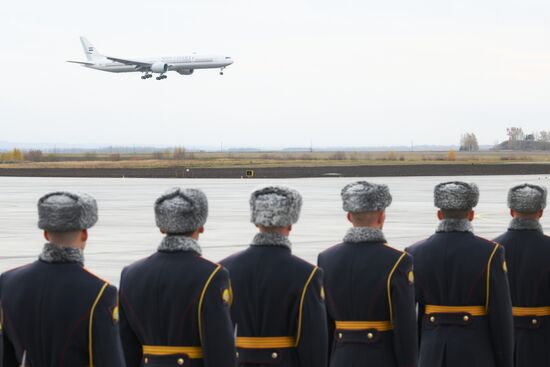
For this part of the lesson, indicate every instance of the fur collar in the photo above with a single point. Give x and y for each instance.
(455, 225)
(522, 224)
(54, 254)
(364, 234)
(271, 239)
(174, 243)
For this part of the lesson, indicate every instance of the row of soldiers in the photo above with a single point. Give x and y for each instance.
(468, 302)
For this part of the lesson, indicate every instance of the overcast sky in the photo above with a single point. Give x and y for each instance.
(334, 73)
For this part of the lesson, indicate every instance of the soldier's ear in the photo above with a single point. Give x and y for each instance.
(540, 213)
(382, 217)
(84, 235)
(471, 215)
(46, 235)
(512, 213)
(439, 215)
(349, 217)
(201, 229)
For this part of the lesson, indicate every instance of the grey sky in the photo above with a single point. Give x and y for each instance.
(337, 73)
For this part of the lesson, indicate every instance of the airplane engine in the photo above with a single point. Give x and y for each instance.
(186, 71)
(159, 67)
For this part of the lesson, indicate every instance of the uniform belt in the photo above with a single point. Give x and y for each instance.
(159, 350)
(531, 311)
(266, 342)
(471, 310)
(364, 325)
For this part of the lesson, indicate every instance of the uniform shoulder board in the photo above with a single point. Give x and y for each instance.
(115, 315)
(410, 276)
(227, 296)
(504, 266)
(322, 293)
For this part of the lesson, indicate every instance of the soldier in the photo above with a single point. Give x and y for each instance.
(464, 307)
(369, 287)
(279, 311)
(54, 312)
(175, 304)
(527, 256)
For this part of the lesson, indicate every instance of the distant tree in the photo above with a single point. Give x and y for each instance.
(179, 153)
(530, 137)
(515, 134)
(543, 136)
(34, 155)
(451, 155)
(16, 155)
(157, 155)
(468, 143)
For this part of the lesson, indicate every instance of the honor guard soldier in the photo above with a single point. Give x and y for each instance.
(175, 304)
(527, 258)
(279, 311)
(369, 287)
(53, 311)
(464, 307)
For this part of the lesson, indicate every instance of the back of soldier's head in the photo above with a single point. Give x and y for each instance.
(65, 217)
(366, 203)
(275, 208)
(527, 200)
(456, 199)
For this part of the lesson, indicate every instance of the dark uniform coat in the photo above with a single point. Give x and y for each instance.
(370, 281)
(277, 295)
(175, 311)
(58, 315)
(459, 269)
(528, 261)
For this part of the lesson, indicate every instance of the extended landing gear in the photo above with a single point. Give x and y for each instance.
(160, 77)
(146, 76)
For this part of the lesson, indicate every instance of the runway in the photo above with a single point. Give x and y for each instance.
(126, 229)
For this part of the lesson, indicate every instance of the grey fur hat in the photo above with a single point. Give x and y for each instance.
(456, 195)
(527, 198)
(181, 211)
(363, 196)
(65, 212)
(275, 206)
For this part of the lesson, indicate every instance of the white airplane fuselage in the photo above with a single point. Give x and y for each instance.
(184, 65)
(176, 63)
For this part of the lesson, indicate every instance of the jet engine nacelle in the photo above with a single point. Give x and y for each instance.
(159, 67)
(186, 71)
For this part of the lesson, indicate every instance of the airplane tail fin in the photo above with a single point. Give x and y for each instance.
(90, 51)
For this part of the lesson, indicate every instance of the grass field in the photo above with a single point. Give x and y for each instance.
(278, 159)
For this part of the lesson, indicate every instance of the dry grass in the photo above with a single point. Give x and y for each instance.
(283, 159)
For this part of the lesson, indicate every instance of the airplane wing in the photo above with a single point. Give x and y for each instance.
(81, 62)
(130, 62)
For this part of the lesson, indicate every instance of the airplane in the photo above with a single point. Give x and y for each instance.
(185, 65)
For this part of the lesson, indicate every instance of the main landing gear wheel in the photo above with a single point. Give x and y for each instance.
(146, 76)
(160, 77)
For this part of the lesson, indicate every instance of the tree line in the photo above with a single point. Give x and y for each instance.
(36, 155)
